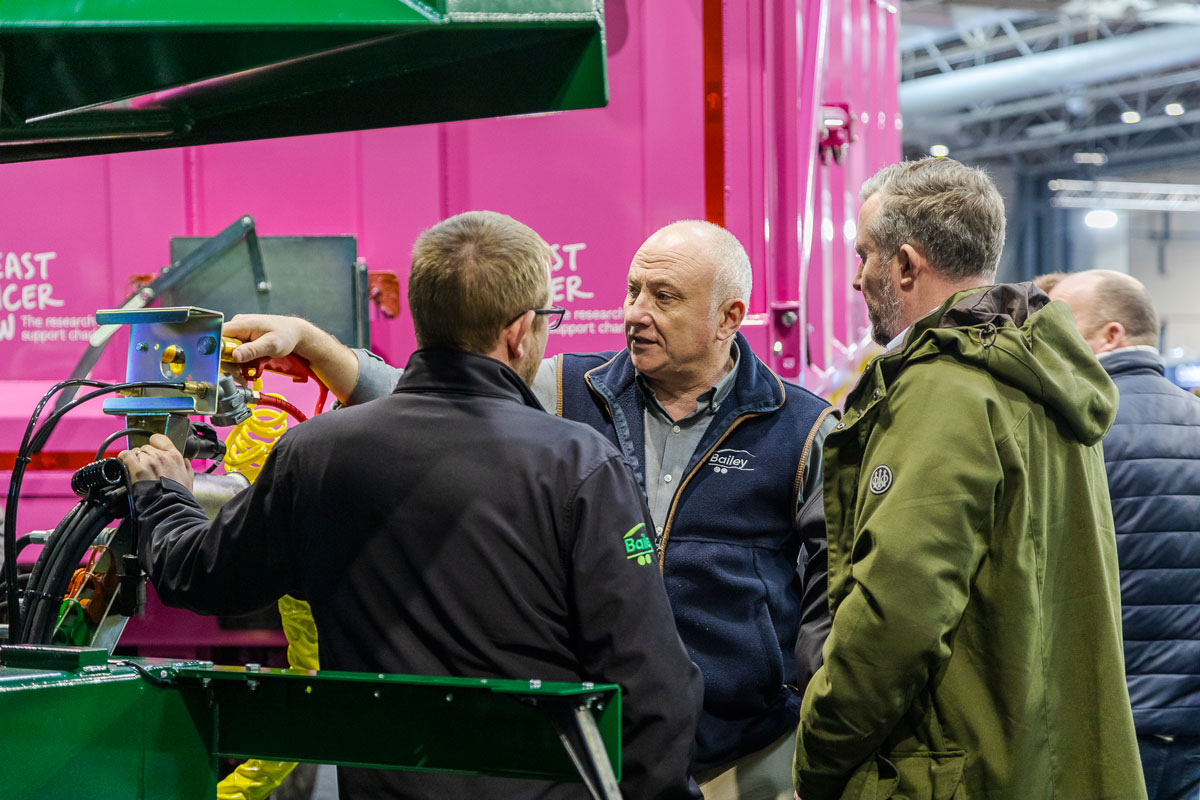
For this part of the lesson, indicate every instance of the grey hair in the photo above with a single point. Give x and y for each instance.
(952, 212)
(733, 278)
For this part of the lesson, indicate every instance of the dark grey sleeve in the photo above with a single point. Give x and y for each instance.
(627, 633)
(239, 562)
(813, 564)
(376, 378)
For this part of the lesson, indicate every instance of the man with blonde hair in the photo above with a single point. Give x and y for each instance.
(1152, 456)
(975, 647)
(450, 528)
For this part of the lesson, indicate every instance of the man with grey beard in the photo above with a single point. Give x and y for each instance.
(975, 648)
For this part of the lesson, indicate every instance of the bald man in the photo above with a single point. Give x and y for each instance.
(729, 457)
(1152, 455)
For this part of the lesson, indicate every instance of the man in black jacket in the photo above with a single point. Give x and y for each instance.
(451, 528)
(1152, 456)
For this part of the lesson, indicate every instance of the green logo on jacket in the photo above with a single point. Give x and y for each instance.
(639, 547)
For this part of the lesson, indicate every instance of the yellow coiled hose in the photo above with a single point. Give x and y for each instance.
(251, 440)
(248, 445)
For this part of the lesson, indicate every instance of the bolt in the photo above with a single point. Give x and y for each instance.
(588, 685)
(252, 685)
(535, 684)
(207, 345)
(376, 694)
(247, 221)
(206, 682)
(263, 286)
(141, 347)
(162, 673)
(777, 348)
(789, 318)
(253, 667)
(361, 267)
(449, 697)
(206, 664)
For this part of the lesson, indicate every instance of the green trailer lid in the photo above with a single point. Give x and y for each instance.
(81, 77)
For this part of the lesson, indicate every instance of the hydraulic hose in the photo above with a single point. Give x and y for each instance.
(46, 596)
(278, 402)
(34, 439)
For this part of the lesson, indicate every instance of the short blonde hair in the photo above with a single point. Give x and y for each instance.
(472, 274)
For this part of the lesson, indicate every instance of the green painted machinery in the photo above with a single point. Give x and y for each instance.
(80, 77)
(79, 724)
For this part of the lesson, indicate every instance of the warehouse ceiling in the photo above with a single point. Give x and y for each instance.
(1050, 85)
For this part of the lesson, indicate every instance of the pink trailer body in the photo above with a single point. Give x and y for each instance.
(718, 110)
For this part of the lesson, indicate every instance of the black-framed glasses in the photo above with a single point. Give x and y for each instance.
(554, 316)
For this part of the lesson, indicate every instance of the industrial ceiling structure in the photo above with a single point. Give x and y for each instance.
(1052, 86)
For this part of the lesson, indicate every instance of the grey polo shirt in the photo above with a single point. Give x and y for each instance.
(670, 443)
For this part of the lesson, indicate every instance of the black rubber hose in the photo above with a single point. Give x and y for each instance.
(17, 635)
(112, 438)
(33, 441)
(48, 597)
(97, 476)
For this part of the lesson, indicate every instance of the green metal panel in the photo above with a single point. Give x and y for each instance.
(481, 726)
(99, 732)
(89, 77)
(153, 728)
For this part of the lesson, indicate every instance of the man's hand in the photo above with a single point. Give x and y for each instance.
(270, 336)
(158, 459)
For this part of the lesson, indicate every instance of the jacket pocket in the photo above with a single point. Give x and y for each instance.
(910, 776)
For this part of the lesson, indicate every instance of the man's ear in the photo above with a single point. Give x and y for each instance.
(732, 313)
(912, 264)
(1112, 336)
(512, 338)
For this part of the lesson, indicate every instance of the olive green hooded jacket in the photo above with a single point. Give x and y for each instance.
(975, 651)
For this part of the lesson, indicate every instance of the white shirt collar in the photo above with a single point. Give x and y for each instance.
(1145, 347)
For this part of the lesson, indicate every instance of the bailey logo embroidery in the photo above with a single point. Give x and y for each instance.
(724, 460)
(881, 479)
(639, 547)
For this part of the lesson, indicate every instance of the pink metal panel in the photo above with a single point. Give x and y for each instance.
(55, 261)
(595, 183)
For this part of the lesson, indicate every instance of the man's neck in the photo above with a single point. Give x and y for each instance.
(680, 395)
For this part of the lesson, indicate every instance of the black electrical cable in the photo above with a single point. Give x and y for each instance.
(14, 490)
(140, 669)
(16, 634)
(47, 599)
(34, 439)
(123, 432)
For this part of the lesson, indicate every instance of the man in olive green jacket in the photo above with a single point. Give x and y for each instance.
(975, 650)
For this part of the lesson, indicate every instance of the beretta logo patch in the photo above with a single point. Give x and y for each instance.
(881, 479)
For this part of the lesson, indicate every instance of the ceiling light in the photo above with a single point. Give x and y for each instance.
(1101, 218)
(1173, 109)
(1094, 159)
(939, 151)
(1130, 117)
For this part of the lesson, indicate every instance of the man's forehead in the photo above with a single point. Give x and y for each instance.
(668, 265)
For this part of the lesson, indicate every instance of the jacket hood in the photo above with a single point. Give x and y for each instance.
(1021, 338)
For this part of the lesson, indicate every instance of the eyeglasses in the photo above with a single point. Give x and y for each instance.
(554, 316)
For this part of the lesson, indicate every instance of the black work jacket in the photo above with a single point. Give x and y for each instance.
(452, 528)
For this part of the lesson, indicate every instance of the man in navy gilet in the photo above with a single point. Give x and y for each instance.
(729, 456)
(1152, 455)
